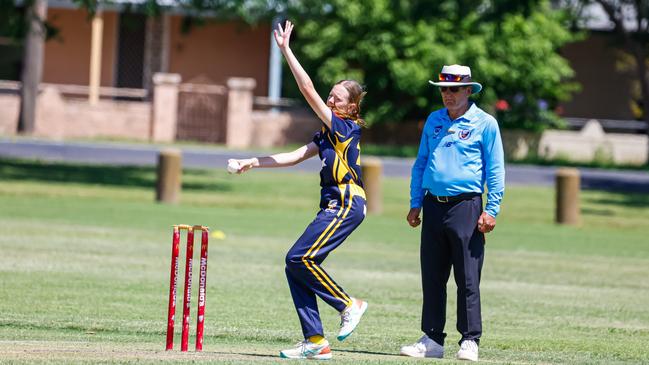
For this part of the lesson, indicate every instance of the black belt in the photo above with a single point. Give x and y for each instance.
(453, 198)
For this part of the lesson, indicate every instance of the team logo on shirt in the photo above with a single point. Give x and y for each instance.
(331, 207)
(437, 130)
(464, 134)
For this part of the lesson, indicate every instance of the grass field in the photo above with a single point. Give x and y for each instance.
(84, 270)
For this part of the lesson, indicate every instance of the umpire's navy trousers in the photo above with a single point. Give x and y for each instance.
(449, 237)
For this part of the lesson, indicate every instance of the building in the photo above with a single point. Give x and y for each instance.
(610, 89)
(133, 47)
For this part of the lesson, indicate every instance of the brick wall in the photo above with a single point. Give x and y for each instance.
(10, 106)
(58, 117)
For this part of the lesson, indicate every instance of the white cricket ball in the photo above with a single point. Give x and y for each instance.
(233, 166)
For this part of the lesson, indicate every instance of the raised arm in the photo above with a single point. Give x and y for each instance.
(282, 37)
(279, 160)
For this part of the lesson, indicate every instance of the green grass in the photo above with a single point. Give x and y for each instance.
(84, 267)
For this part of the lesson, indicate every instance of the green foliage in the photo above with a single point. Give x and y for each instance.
(14, 27)
(525, 70)
(603, 156)
(14, 23)
(251, 11)
(12, 20)
(395, 47)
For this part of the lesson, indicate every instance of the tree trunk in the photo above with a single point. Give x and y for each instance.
(32, 64)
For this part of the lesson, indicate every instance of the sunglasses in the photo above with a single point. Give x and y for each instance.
(454, 78)
(452, 89)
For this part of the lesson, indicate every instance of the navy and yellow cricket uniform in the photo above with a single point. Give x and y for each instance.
(342, 209)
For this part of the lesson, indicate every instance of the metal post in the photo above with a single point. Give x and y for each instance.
(95, 57)
(274, 68)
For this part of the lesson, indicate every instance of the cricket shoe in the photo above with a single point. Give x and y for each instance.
(468, 351)
(308, 350)
(350, 317)
(425, 347)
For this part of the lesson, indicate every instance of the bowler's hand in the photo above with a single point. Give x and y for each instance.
(413, 217)
(486, 223)
(247, 164)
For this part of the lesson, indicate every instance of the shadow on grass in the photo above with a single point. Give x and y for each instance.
(133, 176)
(392, 354)
(627, 200)
(246, 354)
(600, 212)
(614, 184)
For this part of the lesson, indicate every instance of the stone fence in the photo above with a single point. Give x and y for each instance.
(232, 111)
(590, 143)
(59, 116)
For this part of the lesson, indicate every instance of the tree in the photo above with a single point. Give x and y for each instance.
(630, 19)
(32, 63)
(394, 48)
(11, 30)
(24, 26)
(251, 11)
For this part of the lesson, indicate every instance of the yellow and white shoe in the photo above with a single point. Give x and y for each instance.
(308, 350)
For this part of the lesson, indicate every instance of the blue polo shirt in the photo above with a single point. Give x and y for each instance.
(459, 156)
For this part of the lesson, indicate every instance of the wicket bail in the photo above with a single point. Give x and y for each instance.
(175, 251)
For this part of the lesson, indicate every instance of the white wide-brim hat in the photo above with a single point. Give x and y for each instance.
(463, 73)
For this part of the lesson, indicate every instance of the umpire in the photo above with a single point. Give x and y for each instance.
(460, 151)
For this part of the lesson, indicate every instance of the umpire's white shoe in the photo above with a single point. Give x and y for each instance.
(350, 317)
(468, 351)
(425, 347)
